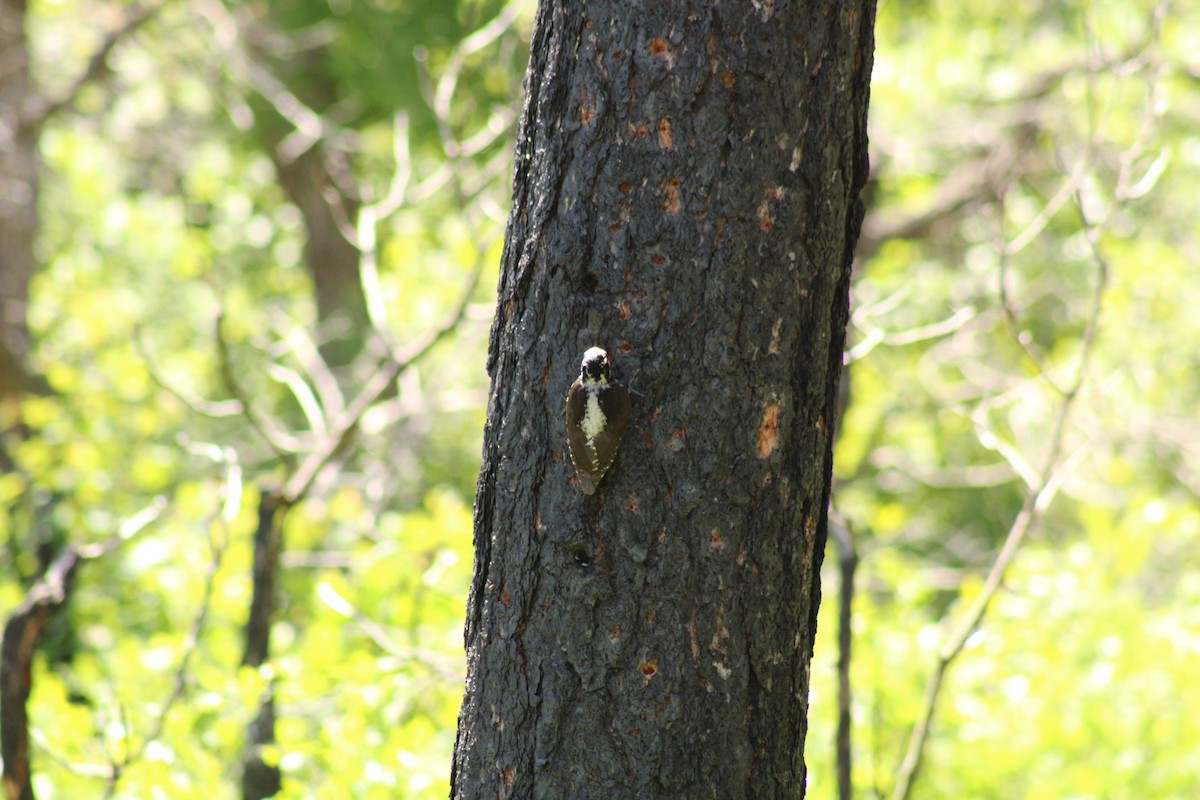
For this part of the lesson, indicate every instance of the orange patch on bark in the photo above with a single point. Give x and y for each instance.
(671, 206)
(664, 134)
(768, 431)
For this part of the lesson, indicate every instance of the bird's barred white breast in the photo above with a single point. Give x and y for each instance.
(593, 418)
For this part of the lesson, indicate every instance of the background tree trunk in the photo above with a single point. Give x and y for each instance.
(314, 177)
(332, 260)
(20, 162)
(686, 196)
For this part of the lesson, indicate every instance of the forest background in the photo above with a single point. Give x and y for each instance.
(1021, 440)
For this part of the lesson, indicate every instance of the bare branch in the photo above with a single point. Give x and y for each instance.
(21, 636)
(301, 345)
(1069, 186)
(342, 433)
(1054, 467)
(440, 96)
(23, 632)
(1037, 499)
(397, 191)
(368, 270)
(1023, 339)
(126, 531)
(377, 634)
(281, 443)
(303, 394)
(96, 69)
(308, 124)
(209, 408)
(934, 330)
(190, 642)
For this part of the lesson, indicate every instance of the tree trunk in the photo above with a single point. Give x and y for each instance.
(261, 779)
(20, 162)
(310, 179)
(333, 261)
(685, 196)
(22, 633)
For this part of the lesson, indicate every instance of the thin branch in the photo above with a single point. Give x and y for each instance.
(847, 552)
(131, 527)
(300, 344)
(1064, 193)
(1035, 504)
(342, 432)
(224, 516)
(309, 125)
(297, 487)
(922, 333)
(1023, 339)
(304, 395)
(190, 642)
(440, 96)
(377, 634)
(116, 766)
(976, 179)
(209, 408)
(989, 438)
(282, 444)
(397, 192)
(1050, 477)
(83, 770)
(97, 68)
(368, 273)
(22, 634)
(499, 123)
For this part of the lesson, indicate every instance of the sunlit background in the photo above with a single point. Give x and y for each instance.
(250, 212)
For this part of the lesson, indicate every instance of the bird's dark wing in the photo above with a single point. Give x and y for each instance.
(582, 455)
(615, 405)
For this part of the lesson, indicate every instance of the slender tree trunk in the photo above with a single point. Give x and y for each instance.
(20, 163)
(22, 634)
(332, 260)
(259, 778)
(685, 196)
(311, 179)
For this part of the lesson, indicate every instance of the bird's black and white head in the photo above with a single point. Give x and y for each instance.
(594, 370)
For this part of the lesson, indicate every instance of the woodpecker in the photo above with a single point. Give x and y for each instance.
(597, 413)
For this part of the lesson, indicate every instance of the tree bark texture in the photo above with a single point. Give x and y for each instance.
(686, 196)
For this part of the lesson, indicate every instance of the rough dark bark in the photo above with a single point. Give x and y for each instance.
(686, 196)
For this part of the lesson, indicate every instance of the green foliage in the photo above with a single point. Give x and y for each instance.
(1078, 682)
(161, 211)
